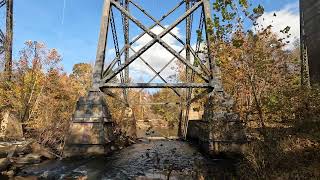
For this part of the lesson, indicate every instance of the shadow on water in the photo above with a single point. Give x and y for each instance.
(144, 160)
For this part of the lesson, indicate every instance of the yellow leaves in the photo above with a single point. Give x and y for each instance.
(41, 94)
(53, 56)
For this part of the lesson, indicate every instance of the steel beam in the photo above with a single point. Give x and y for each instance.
(2, 42)
(157, 22)
(2, 3)
(159, 72)
(158, 103)
(155, 39)
(203, 67)
(163, 17)
(209, 36)
(126, 39)
(153, 70)
(155, 85)
(102, 44)
(113, 63)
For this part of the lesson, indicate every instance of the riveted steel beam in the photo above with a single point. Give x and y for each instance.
(154, 25)
(209, 38)
(153, 70)
(2, 3)
(156, 85)
(102, 44)
(196, 57)
(157, 22)
(155, 39)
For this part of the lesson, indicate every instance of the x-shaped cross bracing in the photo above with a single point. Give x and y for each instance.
(2, 3)
(107, 74)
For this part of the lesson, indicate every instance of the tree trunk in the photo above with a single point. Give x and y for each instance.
(257, 102)
(9, 37)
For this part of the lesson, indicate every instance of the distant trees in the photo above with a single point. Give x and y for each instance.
(41, 94)
(81, 76)
(169, 112)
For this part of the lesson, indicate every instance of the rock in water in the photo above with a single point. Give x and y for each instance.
(29, 159)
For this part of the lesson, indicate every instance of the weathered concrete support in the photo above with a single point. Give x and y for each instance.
(91, 130)
(310, 40)
(130, 123)
(221, 130)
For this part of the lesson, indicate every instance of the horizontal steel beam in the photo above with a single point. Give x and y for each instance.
(157, 38)
(153, 70)
(155, 85)
(158, 103)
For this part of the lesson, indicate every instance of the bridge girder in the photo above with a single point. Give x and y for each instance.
(102, 77)
(205, 69)
(220, 130)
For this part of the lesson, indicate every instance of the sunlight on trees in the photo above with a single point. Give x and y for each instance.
(261, 75)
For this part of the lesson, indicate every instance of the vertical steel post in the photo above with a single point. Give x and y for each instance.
(126, 40)
(209, 38)
(102, 45)
(188, 78)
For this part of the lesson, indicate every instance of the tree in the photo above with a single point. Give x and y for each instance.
(169, 112)
(81, 77)
(9, 38)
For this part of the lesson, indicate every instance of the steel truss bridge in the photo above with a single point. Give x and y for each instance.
(203, 68)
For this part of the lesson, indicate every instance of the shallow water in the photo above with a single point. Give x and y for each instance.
(144, 160)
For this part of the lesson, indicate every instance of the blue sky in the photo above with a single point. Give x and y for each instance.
(76, 35)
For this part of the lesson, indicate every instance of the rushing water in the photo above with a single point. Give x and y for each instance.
(144, 160)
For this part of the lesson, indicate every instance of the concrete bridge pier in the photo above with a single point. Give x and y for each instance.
(91, 129)
(220, 131)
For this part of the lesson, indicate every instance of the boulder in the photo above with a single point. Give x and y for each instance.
(4, 164)
(24, 149)
(26, 178)
(40, 150)
(28, 159)
(11, 128)
(7, 150)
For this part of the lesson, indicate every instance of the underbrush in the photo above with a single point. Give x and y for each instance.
(284, 153)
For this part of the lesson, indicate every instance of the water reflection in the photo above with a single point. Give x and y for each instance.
(145, 160)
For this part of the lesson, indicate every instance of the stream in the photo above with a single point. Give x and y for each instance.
(160, 159)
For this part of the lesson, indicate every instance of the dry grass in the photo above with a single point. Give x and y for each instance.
(285, 152)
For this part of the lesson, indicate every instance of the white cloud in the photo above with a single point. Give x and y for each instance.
(156, 56)
(287, 16)
(111, 52)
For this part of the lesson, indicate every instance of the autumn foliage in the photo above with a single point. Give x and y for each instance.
(41, 95)
(258, 71)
